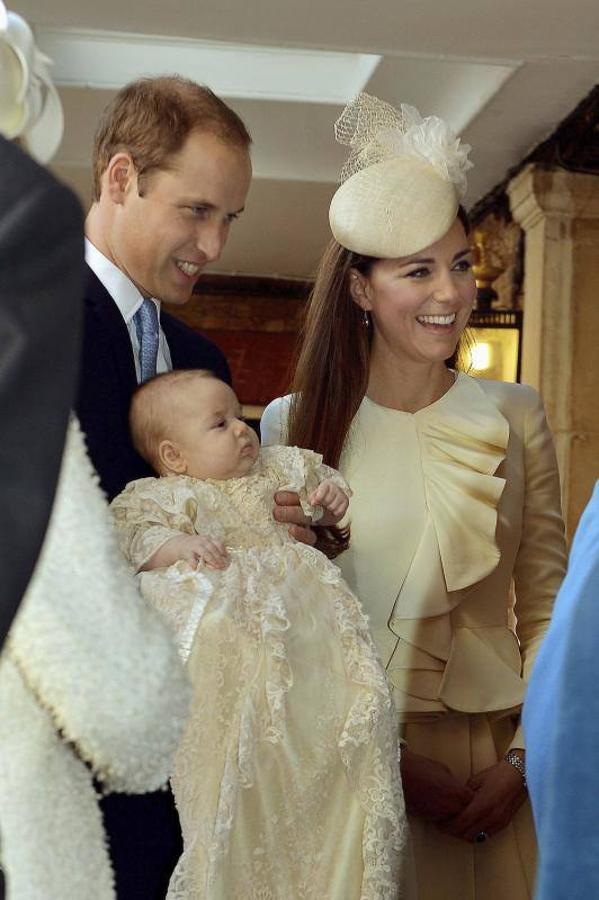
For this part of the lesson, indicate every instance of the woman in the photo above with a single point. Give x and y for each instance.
(456, 495)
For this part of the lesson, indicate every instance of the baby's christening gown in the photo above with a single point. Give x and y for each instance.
(287, 778)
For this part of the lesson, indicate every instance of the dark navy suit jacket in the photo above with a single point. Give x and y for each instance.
(108, 380)
(143, 830)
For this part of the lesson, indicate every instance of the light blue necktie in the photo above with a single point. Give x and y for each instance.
(146, 325)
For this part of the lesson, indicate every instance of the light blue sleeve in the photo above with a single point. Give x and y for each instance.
(561, 724)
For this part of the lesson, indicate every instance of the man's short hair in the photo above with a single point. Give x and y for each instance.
(151, 119)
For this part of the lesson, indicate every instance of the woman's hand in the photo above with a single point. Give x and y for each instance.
(333, 500)
(430, 790)
(195, 549)
(288, 511)
(498, 794)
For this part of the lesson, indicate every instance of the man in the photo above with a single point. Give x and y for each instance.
(561, 722)
(171, 174)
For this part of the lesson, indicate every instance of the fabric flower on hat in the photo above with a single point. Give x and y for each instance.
(433, 140)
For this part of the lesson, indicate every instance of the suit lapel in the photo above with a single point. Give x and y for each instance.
(176, 345)
(117, 346)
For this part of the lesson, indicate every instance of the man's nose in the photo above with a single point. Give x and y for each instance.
(211, 240)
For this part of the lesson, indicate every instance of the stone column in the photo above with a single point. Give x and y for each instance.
(559, 212)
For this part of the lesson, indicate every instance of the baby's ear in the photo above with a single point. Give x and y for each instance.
(171, 459)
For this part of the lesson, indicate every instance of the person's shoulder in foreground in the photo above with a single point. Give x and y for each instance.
(561, 721)
(41, 277)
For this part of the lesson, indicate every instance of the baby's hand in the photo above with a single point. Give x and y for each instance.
(332, 499)
(196, 549)
(201, 550)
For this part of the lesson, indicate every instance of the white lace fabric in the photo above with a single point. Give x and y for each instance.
(287, 778)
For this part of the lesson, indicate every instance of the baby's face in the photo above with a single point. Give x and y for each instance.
(211, 435)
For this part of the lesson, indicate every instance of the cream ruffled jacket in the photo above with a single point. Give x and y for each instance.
(454, 506)
(90, 685)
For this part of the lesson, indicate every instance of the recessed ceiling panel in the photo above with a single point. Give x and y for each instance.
(108, 60)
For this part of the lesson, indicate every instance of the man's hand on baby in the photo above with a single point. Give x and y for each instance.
(195, 549)
(333, 500)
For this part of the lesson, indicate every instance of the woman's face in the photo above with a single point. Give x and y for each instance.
(420, 304)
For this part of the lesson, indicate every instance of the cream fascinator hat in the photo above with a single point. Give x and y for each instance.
(30, 108)
(403, 181)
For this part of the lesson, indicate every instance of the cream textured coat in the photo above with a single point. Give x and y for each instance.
(455, 518)
(90, 685)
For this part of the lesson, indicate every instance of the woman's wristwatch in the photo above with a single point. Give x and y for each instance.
(517, 761)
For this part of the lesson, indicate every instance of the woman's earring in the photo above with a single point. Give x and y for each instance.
(366, 318)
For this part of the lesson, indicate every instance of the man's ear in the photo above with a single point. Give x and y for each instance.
(120, 177)
(171, 459)
(359, 289)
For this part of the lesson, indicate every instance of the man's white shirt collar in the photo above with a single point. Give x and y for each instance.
(120, 287)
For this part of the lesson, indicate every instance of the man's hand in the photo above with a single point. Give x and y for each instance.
(288, 510)
(192, 548)
(430, 790)
(332, 499)
(498, 794)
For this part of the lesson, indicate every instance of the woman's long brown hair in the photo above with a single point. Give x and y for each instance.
(331, 374)
(332, 369)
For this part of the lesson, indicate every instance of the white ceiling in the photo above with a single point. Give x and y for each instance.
(503, 73)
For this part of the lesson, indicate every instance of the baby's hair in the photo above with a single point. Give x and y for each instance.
(154, 409)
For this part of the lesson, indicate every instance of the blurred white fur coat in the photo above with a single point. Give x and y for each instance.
(90, 685)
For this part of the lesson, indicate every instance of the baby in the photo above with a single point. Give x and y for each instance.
(287, 779)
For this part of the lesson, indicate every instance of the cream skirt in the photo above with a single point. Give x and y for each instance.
(502, 868)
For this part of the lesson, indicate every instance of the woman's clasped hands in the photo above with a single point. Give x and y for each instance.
(482, 806)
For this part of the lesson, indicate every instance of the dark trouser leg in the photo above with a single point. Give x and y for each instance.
(144, 841)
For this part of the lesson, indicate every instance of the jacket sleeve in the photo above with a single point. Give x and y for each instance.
(273, 424)
(561, 713)
(541, 560)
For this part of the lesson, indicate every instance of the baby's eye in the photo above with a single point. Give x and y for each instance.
(221, 423)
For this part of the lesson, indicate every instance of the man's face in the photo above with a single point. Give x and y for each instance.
(164, 238)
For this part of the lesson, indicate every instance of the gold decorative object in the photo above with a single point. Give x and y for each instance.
(485, 270)
(495, 347)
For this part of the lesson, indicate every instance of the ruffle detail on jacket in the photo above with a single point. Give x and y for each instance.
(463, 443)
(437, 666)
